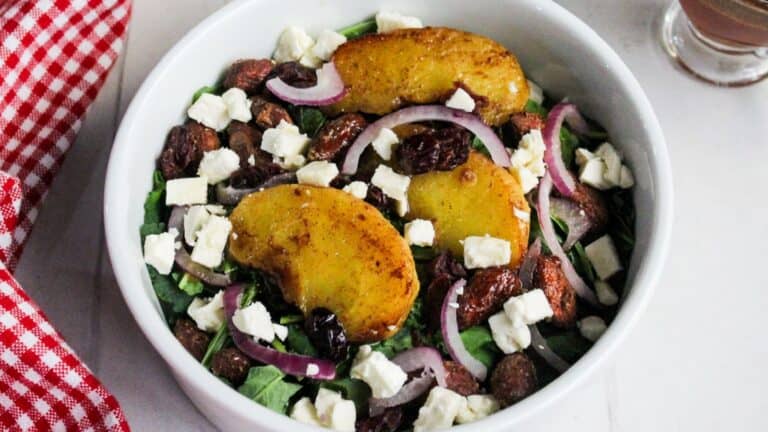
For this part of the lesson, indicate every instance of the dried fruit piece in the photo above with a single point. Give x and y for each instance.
(441, 150)
(327, 334)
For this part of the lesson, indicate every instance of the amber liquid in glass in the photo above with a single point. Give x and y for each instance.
(743, 22)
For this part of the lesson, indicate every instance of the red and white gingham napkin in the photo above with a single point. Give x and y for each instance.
(54, 57)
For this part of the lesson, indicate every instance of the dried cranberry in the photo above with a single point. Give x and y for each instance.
(445, 263)
(389, 421)
(376, 198)
(295, 74)
(327, 334)
(254, 175)
(441, 150)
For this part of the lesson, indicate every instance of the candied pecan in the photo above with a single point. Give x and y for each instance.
(513, 379)
(441, 149)
(268, 114)
(295, 74)
(549, 276)
(593, 204)
(335, 136)
(191, 338)
(485, 295)
(248, 75)
(459, 379)
(184, 149)
(520, 124)
(232, 364)
(245, 140)
(389, 421)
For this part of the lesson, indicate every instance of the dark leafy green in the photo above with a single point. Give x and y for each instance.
(308, 120)
(569, 345)
(622, 227)
(398, 343)
(535, 108)
(583, 266)
(216, 344)
(478, 145)
(356, 30)
(353, 390)
(421, 253)
(155, 209)
(298, 341)
(190, 285)
(568, 145)
(479, 343)
(266, 385)
(173, 300)
(291, 319)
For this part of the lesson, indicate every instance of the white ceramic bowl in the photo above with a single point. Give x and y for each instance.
(556, 49)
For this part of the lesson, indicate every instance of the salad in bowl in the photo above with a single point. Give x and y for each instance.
(387, 227)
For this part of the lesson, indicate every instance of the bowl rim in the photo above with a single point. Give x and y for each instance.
(185, 366)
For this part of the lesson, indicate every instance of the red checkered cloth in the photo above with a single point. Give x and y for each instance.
(54, 57)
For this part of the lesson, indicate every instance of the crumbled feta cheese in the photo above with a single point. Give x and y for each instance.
(591, 173)
(536, 93)
(285, 143)
(312, 369)
(484, 252)
(310, 60)
(626, 179)
(318, 173)
(194, 220)
(342, 416)
(216, 209)
(603, 256)
(211, 111)
(419, 232)
(217, 165)
(292, 44)
(527, 179)
(603, 169)
(304, 411)
(256, 321)
(610, 156)
(509, 337)
(478, 407)
(357, 189)
(583, 156)
(383, 143)
(461, 100)
(281, 331)
(160, 250)
(388, 21)
(393, 185)
(402, 207)
(383, 377)
(528, 308)
(211, 240)
(440, 410)
(291, 162)
(592, 327)
(186, 191)
(238, 105)
(527, 161)
(327, 43)
(325, 400)
(208, 314)
(605, 294)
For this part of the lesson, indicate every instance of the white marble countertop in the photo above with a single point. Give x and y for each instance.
(697, 360)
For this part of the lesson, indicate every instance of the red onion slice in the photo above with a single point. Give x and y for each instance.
(539, 345)
(529, 264)
(550, 239)
(328, 90)
(291, 364)
(423, 358)
(423, 113)
(229, 195)
(561, 177)
(450, 329)
(573, 216)
(182, 258)
(415, 388)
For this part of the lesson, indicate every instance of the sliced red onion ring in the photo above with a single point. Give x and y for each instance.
(573, 216)
(450, 329)
(550, 239)
(292, 364)
(539, 345)
(328, 90)
(423, 113)
(229, 195)
(423, 358)
(182, 258)
(413, 389)
(529, 264)
(561, 177)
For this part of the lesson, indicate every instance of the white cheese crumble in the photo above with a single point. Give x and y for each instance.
(286, 144)
(383, 143)
(327, 43)
(603, 256)
(160, 250)
(305, 412)
(393, 185)
(318, 173)
(529, 308)
(440, 410)
(383, 377)
(238, 105)
(536, 94)
(208, 314)
(194, 220)
(256, 321)
(330, 410)
(281, 331)
(419, 232)
(478, 406)
(603, 169)
(292, 44)
(217, 165)
(510, 338)
(484, 252)
(527, 161)
(387, 21)
(357, 189)
(216, 209)
(461, 100)
(211, 111)
(186, 191)
(592, 327)
(605, 294)
(211, 240)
